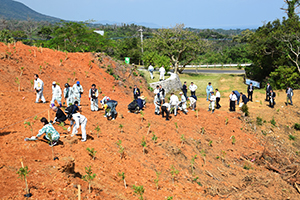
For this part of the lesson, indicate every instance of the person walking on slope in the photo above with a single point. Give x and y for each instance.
(193, 89)
(174, 101)
(162, 72)
(151, 70)
(218, 98)
(136, 92)
(289, 95)
(56, 94)
(212, 101)
(157, 103)
(182, 104)
(39, 88)
(77, 92)
(80, 120)
(232, 101)
(68, 93)
(209, 89)
(250, 91)
(93, 96)
(165, 109)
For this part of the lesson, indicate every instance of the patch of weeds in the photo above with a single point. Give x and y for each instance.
(247, 166)
(245, 110)
(273, 122)
(292, 137)
(259, 121)
(195, 181)
(297, 126)
(233, 139)
(135, 74)
(151, 89)
(139, 190)
(263, 132)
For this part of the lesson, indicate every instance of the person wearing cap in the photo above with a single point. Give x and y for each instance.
(218, 98)
(162, 72)
(250, 91)
(93, 96)
(157, 103)
(209, 89)
(193, 89)
(268, 90)
(174, 101)
(193, 102)
(79, 120)
(39, 88)
(77, 92)
(232, 101)
(182, 104)
(165, 109)
(212, 100)
(56, 94)
(184, 89)
(151, 70)
(68, 93)
(136, 92)
(110, 109)
(162, 93)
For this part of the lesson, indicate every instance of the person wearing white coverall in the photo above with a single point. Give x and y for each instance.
(151, 70)
(93, 96)
(77, 92)
(212, 101)
(157, 103)
(68, 93)
(104, 100)
(174, 101)
(182, 104)
(80, 120)
(162, 72)
(56, 94)
(39, 88)
(193, 102)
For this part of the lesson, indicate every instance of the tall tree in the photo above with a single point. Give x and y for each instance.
(291, 9)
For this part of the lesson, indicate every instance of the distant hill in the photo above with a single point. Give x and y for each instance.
(18, 11)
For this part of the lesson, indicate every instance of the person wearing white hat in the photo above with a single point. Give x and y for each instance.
(56, 94)
(182, 104)
(212, 101)
(39, 87)
(77, 92)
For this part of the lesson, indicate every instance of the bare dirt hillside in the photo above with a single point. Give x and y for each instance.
(234, 159)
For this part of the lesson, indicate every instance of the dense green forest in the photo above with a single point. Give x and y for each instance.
(273, 48)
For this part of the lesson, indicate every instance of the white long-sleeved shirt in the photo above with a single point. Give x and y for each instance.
(232, 97)
(174, 100)
(193, 87)
(96, 93)
(77, 89)
(69, 93)
(105, 99)
(79, 119)
(183, 99)
(38, 84)
(218, 94)
(156, 91)
(56, 91)
(167, 105)
(213, 98)
(162, 70)
(192, 100)
(150, 68)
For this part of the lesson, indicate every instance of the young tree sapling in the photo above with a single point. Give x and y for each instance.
(182, 139)
(91, 152)
(89, 177)
(121, 128)
(144, 144)
(98, 130)
(121, 148)
(139, 190)
(23, 173)
(173, 172)
(192, 164)
(154, 138)
(148, 128)
(122, 175)
(18, 82)
(157, 180)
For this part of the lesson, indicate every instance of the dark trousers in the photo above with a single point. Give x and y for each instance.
(136, 96)
(232, 106)
(165, 110)
(272, 104)
(193, 93)
(217, 101)
(184, 93)
(267, 96)
(250, 94)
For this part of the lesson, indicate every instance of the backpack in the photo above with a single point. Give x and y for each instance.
(133, 105)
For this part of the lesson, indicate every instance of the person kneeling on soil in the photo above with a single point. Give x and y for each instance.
(182, 104)
(110, 109)
(193, 101)
(165, 108)
(80, 120)
(59, 116)
(51, 133)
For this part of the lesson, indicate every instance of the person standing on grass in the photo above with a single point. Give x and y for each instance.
(151, 70)
(93, 96)
(232, 101)
(39, 88)
(174, 101)
(272, 99)
(289, 94)
(193, 89)
(268, 90)
(209, 89)
(184, 89)
(77, 92)
(68, 94)
(56, 94)
(250, 91)
(162, 72)
(218, 98)
(165, 108)
(80, 120)
(212, 101)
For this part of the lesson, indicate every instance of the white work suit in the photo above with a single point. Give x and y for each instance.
(77, 90)
(212, 102)
(174, 101)
(93, 95)
(192, 103)
(157, 104)
(39, 85)
(56, 94)
(183, 104)
(68, 94)
(151, 69)
(104, 100)
(162, 72)
(80, 120)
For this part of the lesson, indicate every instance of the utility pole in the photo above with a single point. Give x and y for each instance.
(141, 30)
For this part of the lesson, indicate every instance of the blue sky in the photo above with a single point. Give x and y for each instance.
(224, 14)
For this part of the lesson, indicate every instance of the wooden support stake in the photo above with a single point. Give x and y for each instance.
(79, 193)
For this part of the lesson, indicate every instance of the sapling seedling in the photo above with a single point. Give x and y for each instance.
(173, 172)
(192, 164)
(60, 62)
(89, 177)
(226, 121)
(202, 130)
(21, 71)
(121, 128)
(223, 155)
(170, 198)
(148, 128)
(122, 175)
(121, 148)
(139, 190)
(18, 82)
(113, 88)
(40, 69)
(51, 144)
(154, 138)
(176, 126)
(31, 83)
(29, 124)
(157, 180)
(203, 154)
(86, 74)
(98, 130)
(23, 173)
(91, 152)
(142, 116)
(233, 139)
(74, 76)
(210, 143)
(182, 139)
(144, 144)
